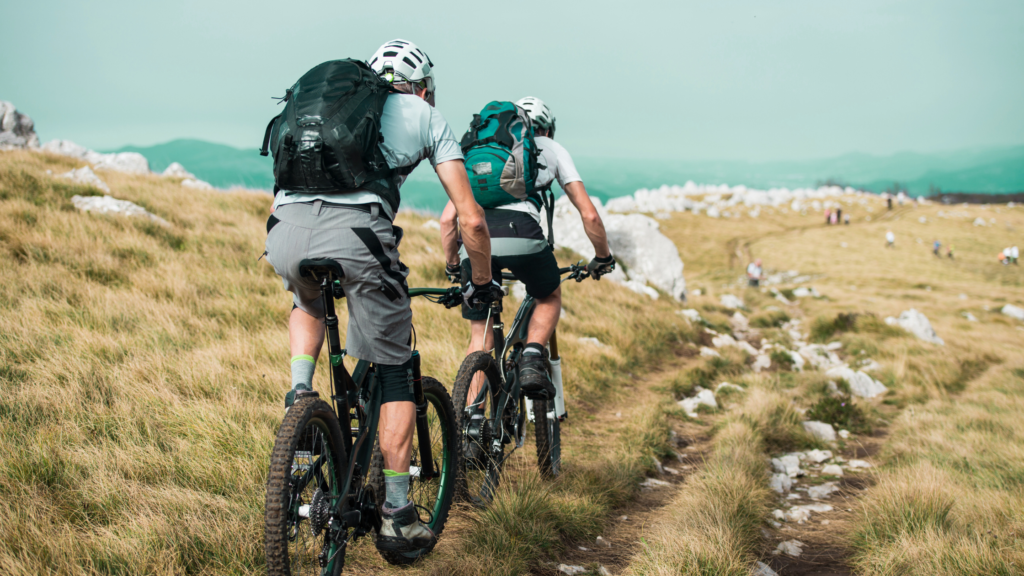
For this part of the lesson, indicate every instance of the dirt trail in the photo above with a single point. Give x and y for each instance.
(628, 523)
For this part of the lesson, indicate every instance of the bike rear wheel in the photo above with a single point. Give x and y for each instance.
(482, 457)
(547, 432)
(303, 488)
(432, 496)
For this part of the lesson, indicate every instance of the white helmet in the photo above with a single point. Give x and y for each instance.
(539, 113)
(402, 61)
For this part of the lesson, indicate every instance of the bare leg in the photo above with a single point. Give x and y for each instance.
(397, 423)
(305, 333)
(481, 338)
(545, 317)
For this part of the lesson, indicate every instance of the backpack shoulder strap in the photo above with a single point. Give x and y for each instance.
(549, 205)
(265, 150)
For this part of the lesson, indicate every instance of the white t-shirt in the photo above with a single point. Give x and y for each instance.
(413, 130)
(753, 270)
(890, 237)
(558, 165)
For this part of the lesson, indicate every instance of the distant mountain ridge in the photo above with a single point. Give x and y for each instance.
(981, 170)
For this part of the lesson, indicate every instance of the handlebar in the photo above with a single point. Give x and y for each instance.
(449, 297)
(577, 272)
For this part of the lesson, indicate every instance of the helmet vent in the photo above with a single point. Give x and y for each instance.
(390, 54)
(408, 61)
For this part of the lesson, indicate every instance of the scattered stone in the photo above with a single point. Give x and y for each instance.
(833, 346)
(780, 483)
(1013, 311)
(730, 301)
(833, 469)
(110, 205)
(705, 351)
(602, 571)
(691, 315)
(825, 522)
(729, 386)
(805, 292)
(762, 569)
(652, 483)
(790, 548)
(844, 434)
(819, 356)
(705, 397)
(571, 570)
(196, 184)
(761, 362)
(618, 414)
(602, 542)
(778, 514)
(591, 341)
(723, 340)
(788, 464)
(820, 430)
(128, 162)
(739, 322)
(858, 464)
(623, 518)
(860, 383)
(970, 317)
(432, 224)
(798, 361)
(822, 490)
(17, 130)
(176, 170)
(818, 508)
(818, 456)
(979, 221)
(582, 549)
(917, 324)
(85, 175)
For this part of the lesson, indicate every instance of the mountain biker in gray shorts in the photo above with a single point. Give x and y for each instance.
(518, 244)
(355, 229)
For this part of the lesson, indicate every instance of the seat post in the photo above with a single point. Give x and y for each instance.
(331, 320)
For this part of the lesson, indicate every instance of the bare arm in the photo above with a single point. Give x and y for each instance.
(592, 223)
(450, 234)
(475, 236)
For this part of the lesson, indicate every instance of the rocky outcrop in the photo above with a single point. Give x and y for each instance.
(917, 324)
(127, 162)
(860, 383)
(635, 241)
(16, 129)
(111, 205)
(1011, 311)
(85, 175)
(196, 184)
(176, 170)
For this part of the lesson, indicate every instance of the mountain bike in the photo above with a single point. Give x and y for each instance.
(326, 480)
(491, 407)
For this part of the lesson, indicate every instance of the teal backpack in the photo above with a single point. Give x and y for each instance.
(501, 156)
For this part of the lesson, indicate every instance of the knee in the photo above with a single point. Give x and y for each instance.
(553, 298)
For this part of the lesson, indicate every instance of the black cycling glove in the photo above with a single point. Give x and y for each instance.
(478, 296)
(454, 273)
(600, 266)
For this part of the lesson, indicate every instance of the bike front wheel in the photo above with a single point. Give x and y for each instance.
(483, 452)
(303, 490)
(547, 432)
(432, 496)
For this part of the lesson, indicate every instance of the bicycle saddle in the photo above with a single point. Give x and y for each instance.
(320, 267)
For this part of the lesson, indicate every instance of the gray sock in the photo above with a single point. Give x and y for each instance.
(396, 485)
(303, 367)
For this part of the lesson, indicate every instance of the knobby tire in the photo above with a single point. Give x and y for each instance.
(479, 478)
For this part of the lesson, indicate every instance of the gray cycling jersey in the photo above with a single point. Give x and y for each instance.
(413, 131)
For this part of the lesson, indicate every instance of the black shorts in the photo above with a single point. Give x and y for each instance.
(538, 271)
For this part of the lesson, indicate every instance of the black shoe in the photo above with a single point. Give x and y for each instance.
(535, 374)
(402, 530)
(296, 394)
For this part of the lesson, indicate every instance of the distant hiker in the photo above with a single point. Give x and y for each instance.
(949, 252)
(525, 134)
(1007, 255)
(1003, 258)
(828, 216)
(754, 273)
(320, 213)
(890, 239)
(839, 215)
(835, 218)
(846, 220)
(888, 200)
(936, 245)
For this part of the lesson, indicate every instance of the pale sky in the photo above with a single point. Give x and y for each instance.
(667, 80)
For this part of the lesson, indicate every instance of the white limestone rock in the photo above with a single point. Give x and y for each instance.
(820, 430)
(730, 301)
(571, 570)
(917, 324)
(979, 221)
(17, 130)
(860, 383)
(833, 469)
(723, 340)
(844, 434)
(739, 322)
(728, 386)
(822, 490)
(1013, 311)
(704, 397)
(652, 483)
(85, 175)
(762, 569)
(196, 184)
(818, 456)
(858, 464)
(792, 548)
(635, 240)
(127, 162)
(780, 483)
(110, 205)
(819, 356)
(798, 361)
(691, 314)
(708, 352)
(788, 464)
(762, 362)
(176, 170)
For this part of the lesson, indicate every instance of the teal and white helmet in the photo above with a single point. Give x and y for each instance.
(539, 113)
(402, 61)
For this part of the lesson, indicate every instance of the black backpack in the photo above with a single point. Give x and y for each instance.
(327, 139)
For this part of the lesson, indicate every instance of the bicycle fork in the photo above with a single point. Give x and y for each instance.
(427, 471)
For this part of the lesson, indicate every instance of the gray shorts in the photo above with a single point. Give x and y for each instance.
(366, 246)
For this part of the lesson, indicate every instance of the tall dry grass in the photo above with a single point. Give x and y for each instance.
(143, 367)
